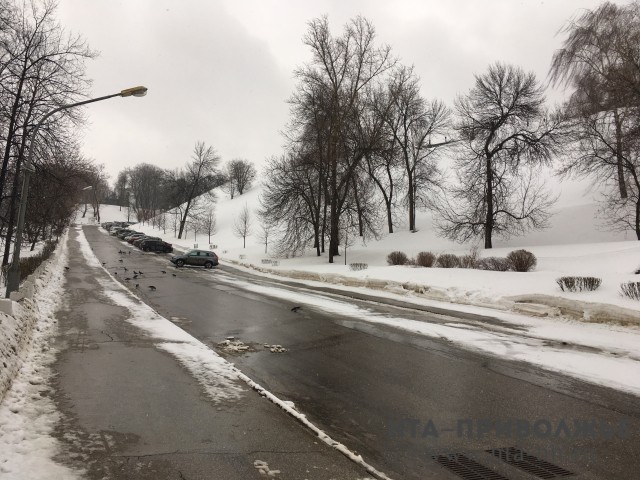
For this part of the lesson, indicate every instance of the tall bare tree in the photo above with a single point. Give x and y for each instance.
(243, 225)
(505, 136)
(418, 131)
(240, 174)
(600, 59)
(200, 176)
(340, 72)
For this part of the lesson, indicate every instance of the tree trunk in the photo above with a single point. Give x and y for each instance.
(621, 182)
(488, 225)
(411, 194)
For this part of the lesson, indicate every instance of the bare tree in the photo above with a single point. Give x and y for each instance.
(505, 136)
(41, 68)
(600, 59)
(200, 176)
(146, 183)
(266, 232)
(418, 131)
(240, 174)
(339, 76)
(208, 224)
(242, 225)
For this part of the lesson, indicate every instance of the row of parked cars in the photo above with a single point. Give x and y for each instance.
(199, 258)
(144, 242)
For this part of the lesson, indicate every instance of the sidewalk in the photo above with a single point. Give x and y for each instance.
(140, 398)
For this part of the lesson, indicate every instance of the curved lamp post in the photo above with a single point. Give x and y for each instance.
(13, 275)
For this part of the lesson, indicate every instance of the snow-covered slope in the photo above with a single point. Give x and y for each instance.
(573, 245)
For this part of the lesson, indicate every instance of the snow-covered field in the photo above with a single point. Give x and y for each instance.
(573, 245)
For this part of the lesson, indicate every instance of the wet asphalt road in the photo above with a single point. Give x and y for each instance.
(397, 399)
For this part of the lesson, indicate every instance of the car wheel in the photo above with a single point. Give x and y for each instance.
(208, 265)
(180, 263)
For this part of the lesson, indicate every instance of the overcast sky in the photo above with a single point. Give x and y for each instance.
(221, 71)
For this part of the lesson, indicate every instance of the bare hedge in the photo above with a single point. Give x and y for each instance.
(426, 259)
(448, 260)
(578, 284)
(522, 260)
(397, 258)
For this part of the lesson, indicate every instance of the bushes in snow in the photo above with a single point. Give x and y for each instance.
(425, 259)
(496, 264)
(354, 267)
(522, 260)
(630, 290)
(28, 265)
(578, 284)
(397, 258)
(448, 260)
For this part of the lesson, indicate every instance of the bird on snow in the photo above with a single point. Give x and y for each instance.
(137, 285)
(115, 273)
(135, 276)
(295, 309)
(127, 279)
(125, 269)
(152, 288)
(163, 271)
(66, 268)
(173, 274)
(120, 260)
(104, 263)
(135, 273)
(139, 273)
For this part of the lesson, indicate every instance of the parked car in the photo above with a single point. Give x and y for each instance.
(122, 234)
(139, 240)
(135, 236)
(156, 245)
(201, 258)
(118, 231)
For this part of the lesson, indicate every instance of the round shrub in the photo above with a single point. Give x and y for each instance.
(425, 259)
(397, 258)
(522, 260)
(496, 264)
(448, 260)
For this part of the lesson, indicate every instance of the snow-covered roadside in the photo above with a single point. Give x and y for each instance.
(509, 296)
(220, 379)
(614, 363)
(27, 414)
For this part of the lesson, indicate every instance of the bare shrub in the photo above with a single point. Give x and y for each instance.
(448, 260)
(397, 258)
(496, 264)
(425, 259)
(630, 290)
(354, 267)
(578, 284)
(467, 261)
(522, 260)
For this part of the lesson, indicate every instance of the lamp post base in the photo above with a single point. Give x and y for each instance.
(13, 280)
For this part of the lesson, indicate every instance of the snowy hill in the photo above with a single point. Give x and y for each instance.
(573, 245)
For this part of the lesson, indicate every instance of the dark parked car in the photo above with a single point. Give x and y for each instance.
(201, 258)
(135, 236)
(156, 246)
(139, 240)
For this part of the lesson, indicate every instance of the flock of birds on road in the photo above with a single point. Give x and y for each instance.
(135, 274)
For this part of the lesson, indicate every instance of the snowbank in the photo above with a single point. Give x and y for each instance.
(28, 416)
(18, 320)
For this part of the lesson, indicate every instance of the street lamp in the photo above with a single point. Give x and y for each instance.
(13, 275)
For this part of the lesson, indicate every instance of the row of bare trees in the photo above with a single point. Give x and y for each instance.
(42, 67)
(183, 195)
(364, 142)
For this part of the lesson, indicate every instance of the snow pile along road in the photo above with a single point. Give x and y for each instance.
(27, 414)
